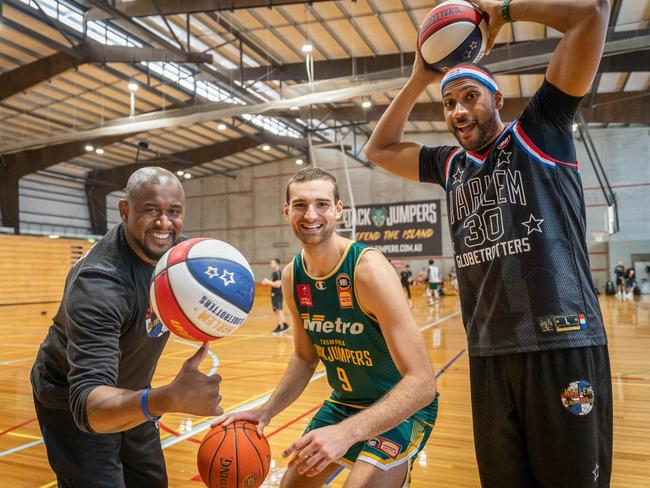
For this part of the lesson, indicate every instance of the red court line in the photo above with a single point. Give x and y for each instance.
(176, 434)
(291, 422)
(17, 426)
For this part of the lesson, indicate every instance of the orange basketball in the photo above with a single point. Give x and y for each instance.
(234, 456)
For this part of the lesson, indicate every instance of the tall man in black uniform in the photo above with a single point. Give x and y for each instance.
(539, 366)
(92, 374)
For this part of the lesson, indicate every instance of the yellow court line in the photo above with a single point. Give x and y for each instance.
(243, 402)
(48, 485)
(216, 343)
(26, 436)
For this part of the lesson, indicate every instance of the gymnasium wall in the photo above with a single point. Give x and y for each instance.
(33, 271)
(246, 211)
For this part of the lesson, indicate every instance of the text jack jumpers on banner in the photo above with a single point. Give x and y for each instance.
(402, 229)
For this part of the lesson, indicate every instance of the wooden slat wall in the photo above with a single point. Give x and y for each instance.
(33, 269)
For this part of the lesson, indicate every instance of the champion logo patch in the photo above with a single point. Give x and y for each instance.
(304, 295)
(320, 285)
(504, 143)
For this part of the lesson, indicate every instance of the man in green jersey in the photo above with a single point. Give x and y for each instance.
(348, 311)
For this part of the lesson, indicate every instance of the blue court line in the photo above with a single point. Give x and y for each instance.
(20, 448)
(170, 441)
(451, 361)
(334, 475)
(195, 345)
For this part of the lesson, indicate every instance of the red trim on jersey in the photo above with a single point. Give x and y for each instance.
(542, 154)
(489, 150)
(449, 158)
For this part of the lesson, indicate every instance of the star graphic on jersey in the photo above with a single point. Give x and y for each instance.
(473, 45)
(533, 225)
(504, 157)
(596, 472)
(228, 277)
(467, 54)
(458, 176)
(212, 272)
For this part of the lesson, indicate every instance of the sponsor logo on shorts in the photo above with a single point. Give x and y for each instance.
(386, 446)
(578, 397)
(304, 295)
(320, 285)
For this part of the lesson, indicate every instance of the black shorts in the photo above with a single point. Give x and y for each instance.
(619, 280)
(543, 419)
(276, 302)
(132, 458)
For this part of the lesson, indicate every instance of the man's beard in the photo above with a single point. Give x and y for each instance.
(150, 253)
(487, 132)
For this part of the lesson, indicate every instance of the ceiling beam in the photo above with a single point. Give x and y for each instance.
(146, 8)
(36, 72)
(621, 107)
(624, 51)
(101, 182)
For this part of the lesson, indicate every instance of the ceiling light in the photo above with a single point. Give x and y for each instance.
(180, 172)
(187, 176)
(89, 148)
(99, 150)
(366, 104)
(307, 47)
(221, 127)
(299, 161)
(266, 147)
(133, 86)
(295, 107)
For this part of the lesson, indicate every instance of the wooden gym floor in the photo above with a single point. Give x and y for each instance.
(252, 361)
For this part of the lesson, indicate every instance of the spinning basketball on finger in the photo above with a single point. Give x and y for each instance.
(539, 363)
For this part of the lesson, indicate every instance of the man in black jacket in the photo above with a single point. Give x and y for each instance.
(91, 378)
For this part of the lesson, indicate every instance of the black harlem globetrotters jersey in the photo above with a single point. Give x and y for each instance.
(517, 220)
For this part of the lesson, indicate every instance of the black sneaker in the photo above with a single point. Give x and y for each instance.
(277, 330)
(285, 326)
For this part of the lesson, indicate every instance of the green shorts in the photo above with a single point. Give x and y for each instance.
(396, 446)
(433, 286)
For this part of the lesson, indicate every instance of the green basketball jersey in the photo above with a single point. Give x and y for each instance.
(348, 341)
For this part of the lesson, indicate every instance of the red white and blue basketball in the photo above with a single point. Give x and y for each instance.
(453, 32)
(203, 289)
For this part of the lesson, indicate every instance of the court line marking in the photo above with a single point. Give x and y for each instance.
(204, 425)
(20, 448)
(243, 406)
